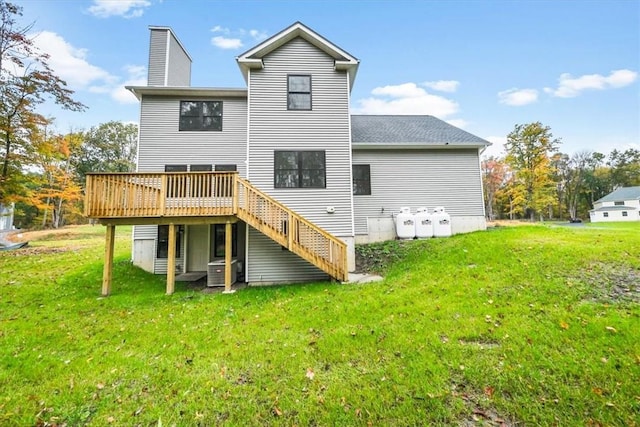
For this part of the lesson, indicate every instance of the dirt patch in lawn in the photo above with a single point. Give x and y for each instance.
(377, 257)
(611, 283)
(478, 408)
(66, 233)
(39, 250)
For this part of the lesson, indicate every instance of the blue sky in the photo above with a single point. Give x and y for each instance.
(480, 65)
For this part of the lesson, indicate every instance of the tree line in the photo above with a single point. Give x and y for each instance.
(42, 172)
(534, 180)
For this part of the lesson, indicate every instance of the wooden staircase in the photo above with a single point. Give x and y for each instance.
(291, 230)
(155, 198)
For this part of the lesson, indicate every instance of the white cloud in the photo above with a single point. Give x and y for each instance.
(406, 98)
(459, 123)
(258, 35)
(219, 29)
(136, 76)
(124, 8)
(234, 39)
(570, 87)
(518, 97)
(443, 85)
(70, 63)
(226, 43)
(497, 149)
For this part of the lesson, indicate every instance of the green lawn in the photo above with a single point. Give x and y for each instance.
(532, 325)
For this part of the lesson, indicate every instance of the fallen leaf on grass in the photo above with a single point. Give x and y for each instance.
(611, 329)
(277, 412)
(597, 390)
(488, 390)
(310, 373)
(564, 325)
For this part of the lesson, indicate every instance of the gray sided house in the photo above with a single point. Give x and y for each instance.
(290, 134)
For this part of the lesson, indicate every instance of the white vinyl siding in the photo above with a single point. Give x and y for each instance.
(415, 178)
(157, 57)
(161, 143)
(268, 263)
(274, 127)
(179, 73)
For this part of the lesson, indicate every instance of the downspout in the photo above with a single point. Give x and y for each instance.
(353, 228)
(246, 227)
(484, 211)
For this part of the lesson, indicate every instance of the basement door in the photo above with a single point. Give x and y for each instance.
(197, 247)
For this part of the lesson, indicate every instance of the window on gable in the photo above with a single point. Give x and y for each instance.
(299, 169)
(361, 180)
(298, 92)
(201, 115)
(618, 203)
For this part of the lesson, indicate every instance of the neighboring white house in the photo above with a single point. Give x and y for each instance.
(622, 204)
(291, 134)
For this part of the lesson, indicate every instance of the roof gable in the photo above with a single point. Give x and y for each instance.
(621, 194)
(343, 60)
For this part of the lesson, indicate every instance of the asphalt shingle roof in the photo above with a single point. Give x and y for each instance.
(622, 193)
(409, 130)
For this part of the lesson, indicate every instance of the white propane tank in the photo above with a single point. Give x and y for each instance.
(441, 222)
(405, 224)
(424, 223)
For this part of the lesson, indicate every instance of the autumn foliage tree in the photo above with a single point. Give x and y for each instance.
(26, 81)
(494, 176)
(58, 193)
(529, 149)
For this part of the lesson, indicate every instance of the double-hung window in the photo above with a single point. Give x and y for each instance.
(200, 115)
(299, 169)
(361, 180)
(299, 92)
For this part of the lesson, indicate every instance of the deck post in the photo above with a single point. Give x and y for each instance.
(107, 271)
(171, 260)
(227, 257)
(235, 187)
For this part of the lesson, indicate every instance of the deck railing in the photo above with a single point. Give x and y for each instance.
(148, 195)
(185, 194)
(291, 230)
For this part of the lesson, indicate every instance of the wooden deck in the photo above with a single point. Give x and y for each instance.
(175, 198)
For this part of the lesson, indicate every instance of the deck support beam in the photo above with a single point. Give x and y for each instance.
(171, 260)
(227, 257)
(107, 272)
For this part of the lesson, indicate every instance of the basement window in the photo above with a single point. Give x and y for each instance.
(219, 234)
(605, 214)
(162, 250)
(624, 213)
